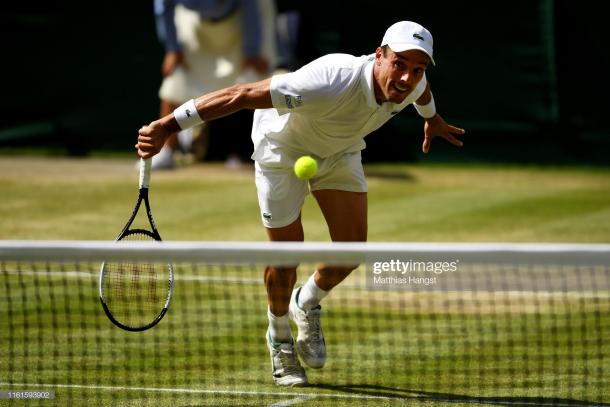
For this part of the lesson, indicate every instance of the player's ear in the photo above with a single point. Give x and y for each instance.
(378, 55)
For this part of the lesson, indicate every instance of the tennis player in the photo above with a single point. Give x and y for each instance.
(324, 109)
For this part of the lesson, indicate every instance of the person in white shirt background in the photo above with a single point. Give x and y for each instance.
(324, 109)
(209, 45)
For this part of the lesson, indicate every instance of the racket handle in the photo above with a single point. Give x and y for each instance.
(145, 167)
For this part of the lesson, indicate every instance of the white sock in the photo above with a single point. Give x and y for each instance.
(310, 294)
(279, 328)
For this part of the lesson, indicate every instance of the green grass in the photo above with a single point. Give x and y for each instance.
(411, 348)
(408, 348)
(54, 198)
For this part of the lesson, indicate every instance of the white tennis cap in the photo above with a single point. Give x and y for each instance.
(406, 35)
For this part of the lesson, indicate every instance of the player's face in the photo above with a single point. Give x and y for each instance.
(397, 74)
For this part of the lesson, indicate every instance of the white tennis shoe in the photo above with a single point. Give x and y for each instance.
(310, 339)
(285, 366)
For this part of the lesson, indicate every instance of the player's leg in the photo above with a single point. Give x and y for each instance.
(341, 195)
(280, 201)
(279, 281)
(346, 215)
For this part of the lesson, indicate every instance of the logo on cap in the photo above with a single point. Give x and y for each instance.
(407, 35)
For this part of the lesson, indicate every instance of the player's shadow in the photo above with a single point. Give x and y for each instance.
(394, 393)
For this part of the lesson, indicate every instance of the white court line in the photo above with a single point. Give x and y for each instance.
(206, 391)
(499, 401)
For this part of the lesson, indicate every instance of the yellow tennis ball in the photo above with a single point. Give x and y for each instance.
(305, 167)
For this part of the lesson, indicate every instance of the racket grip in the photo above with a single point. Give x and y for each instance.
(145, 167)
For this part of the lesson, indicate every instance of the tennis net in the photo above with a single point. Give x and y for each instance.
(429, 324)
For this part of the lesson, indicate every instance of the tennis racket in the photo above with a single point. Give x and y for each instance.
(135, 295)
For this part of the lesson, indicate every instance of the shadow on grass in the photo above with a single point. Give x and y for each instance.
(426, 396)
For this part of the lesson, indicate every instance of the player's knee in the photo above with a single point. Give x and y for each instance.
(356, 233)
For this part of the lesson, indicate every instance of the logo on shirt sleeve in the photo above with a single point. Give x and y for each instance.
(293, 101)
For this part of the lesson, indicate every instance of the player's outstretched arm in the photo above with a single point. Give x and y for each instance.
(210, 106)
(437, 127)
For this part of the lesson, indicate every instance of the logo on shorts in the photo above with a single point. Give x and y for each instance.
(267, 216)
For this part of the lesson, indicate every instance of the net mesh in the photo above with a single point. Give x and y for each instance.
(529, 328)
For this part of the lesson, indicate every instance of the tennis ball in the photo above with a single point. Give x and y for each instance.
(305, 167)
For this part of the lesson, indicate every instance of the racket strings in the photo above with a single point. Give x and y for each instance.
(132, 291)
(152, 286)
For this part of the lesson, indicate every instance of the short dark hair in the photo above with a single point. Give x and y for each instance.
(384, 49)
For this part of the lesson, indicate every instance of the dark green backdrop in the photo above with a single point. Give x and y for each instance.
(527, 79)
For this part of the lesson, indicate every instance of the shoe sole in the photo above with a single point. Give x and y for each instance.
(295, 384)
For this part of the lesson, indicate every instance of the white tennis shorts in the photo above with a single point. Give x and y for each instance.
(281, 194)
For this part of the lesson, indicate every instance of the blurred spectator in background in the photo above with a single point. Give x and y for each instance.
(209, 45)
(288, 22)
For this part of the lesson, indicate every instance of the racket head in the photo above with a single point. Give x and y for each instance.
(136, 295)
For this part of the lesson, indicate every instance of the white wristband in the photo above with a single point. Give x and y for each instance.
(426, 111)
(187, 116)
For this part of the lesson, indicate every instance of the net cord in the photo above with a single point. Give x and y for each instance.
(313, 252)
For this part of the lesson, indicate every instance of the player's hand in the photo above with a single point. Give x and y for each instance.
(151, 139)
(171, 61)
(437, 127)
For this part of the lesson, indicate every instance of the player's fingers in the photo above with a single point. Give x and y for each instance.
(143, 138)
(426, 145)
(456, 130)
(453, 140)
(145, 151)
(145, 146)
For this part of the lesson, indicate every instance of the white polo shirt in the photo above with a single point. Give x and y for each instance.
(326, 107)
